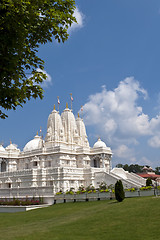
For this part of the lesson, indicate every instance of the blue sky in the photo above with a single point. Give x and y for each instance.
(111, 65)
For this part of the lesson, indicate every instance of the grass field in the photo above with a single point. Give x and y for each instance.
(136, 218)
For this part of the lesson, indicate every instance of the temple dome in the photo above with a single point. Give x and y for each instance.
(34, 144)
(11, 148)
(99, 143)
(2, 149)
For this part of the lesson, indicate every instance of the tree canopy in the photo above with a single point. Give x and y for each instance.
(24, 26)
(131, 168)
(135, 168)
(157, 170)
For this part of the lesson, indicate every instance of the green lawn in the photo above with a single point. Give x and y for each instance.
(136, 218)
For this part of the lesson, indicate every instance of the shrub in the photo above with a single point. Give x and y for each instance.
(90, 187)
(81, 192)
(146, 188)
(130, 190)
(70, 192)
(81, 188)
(103, 186)
(119, 191)
(106, 190)
(59, 193)
(91, 191)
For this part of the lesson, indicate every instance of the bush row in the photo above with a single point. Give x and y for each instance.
(102, 188)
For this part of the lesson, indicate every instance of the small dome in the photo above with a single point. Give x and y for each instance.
(2, 149)
(145, 168)
(34, 144)
(99, 143)
(12, 148)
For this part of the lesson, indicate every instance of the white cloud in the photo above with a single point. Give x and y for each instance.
(117, 111)
(80, 20)
(144, 161)
(154, 142)
(123, 151)
(48, 81)
(119, 119)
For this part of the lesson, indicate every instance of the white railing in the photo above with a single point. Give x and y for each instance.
(29, 192)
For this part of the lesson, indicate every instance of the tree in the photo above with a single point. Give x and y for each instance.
(119, 191)
(148, 182)
(131, 168)
(119, 165)
(24, 26)
(157, 170)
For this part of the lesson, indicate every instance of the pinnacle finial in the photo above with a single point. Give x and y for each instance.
(54, 107)
(37, 133)
(66, 105)
(78, 114)
(10, 141)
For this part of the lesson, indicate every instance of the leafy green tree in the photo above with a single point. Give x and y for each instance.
(119, 165)
(148, 182)
(157, 170)
(131, 168)
(24, 26)
(136, 168)
(126, 167)
(119, 191)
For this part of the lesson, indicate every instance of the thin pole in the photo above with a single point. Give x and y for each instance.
(71, 100)
(82, 111)
(58, 102)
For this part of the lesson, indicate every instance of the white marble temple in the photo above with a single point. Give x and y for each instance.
(62, 161)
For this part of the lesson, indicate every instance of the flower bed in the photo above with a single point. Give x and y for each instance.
(130, 190)
(146, 188)
(21, 202)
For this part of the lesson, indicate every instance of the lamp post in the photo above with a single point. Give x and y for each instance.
(156, 188)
